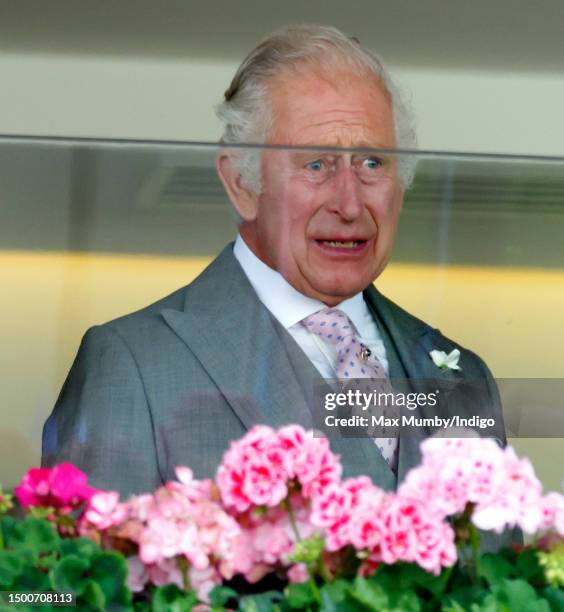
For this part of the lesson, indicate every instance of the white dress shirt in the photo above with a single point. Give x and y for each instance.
(290, 307)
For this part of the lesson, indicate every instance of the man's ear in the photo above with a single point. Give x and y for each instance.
(244, 199)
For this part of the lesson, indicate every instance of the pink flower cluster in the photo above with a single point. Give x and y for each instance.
(502, 488)
(268, 468)
(259, 469)
(180, 521)
(553, 513)
(63, 487)
(275, 488)
(387, 527)
(269, 539)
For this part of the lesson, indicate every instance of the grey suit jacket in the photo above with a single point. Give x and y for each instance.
(174, 383)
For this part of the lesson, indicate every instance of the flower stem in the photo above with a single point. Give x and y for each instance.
(475, 547)
(183, 566)
(287, 504)
(314, 588)
(323, 571)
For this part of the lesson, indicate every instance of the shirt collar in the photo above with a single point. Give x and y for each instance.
(285, 303)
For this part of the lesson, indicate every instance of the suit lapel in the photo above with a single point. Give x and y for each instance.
(412, 340)
(233, 336)
(256, 364)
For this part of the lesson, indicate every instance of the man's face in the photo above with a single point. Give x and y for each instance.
(325, 220)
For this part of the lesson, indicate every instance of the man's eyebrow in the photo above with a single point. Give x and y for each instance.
(358, 149)
(306, 156)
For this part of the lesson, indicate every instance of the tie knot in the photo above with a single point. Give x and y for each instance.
(330, 324)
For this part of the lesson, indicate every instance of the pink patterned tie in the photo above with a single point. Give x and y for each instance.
(354, 360)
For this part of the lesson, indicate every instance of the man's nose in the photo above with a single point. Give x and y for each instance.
(345, 199)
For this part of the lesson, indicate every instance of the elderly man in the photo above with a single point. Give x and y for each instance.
(243, 344)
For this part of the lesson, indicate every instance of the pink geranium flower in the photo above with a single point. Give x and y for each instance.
(298, 573)
(69, 485)
(338, 505)
(63, 487)
(104, 510)
(181, 520)
(502, 488)
(553, 512)
(516, 501)
(270, 539)
(137, 574)
(409, 532)
(34, 489)
(258, 469)
(385, 527)
(455, 472)
(316, 466)
(253, 471)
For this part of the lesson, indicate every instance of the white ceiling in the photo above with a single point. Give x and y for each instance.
(473, 34)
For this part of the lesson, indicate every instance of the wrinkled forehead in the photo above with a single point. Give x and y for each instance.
(335, 107)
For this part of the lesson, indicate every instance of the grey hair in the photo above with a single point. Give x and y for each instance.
(245, 111)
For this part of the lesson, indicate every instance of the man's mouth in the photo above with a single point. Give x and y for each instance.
(342, 247)
(351, 244)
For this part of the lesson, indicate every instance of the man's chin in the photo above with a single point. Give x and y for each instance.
(332, 293)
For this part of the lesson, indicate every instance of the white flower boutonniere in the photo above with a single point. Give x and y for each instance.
(444, 361)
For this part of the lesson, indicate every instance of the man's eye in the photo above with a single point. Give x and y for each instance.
(316, 166)
(371, 163)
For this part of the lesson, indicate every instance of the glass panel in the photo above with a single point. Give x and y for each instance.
(92, 230)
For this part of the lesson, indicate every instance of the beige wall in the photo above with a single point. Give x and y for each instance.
(484, 111)
(55, 297)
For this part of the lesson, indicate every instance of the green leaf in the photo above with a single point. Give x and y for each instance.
(93, 596)
(32, 579)
(81, 547)
(299, 596)
(220, 595)
(408, 576)
(36, 535)
(335, 598)
(263, 602)
(406, 602)
(335, 591)
(399, 583)
(518, 595)
(47, 562)
(11, 566)
(490, 604)
(109, 570)
(370, 594)
(436, 585)
(463, 597)
(4, 522)
(20, 608)
(453, 606)
(347, 605)
(555, 598)
(68, 574)
(528, 565)
(170, 598)
(494, 569)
